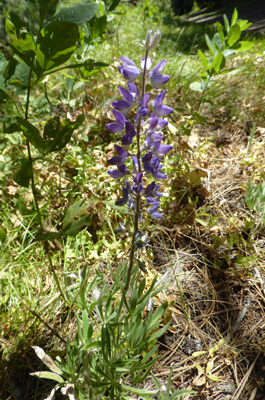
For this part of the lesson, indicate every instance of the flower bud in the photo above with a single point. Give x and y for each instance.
(152, 41)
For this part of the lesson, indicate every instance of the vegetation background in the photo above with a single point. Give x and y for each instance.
(210, 241)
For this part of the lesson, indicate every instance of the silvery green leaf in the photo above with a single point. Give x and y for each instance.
(47, 360)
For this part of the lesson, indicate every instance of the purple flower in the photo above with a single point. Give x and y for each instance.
(154, 213)
(120, 158)
(162, 149)
(118, 126)
(138, 184)
(152, 194)
(126, 196)
(156, 78)
(155, 123)
(152, 166)
(129, 99)
(119, 173)
(130, 133)
(123, 200)
(143, 107)
(135, 164)
(159, 108)
(129, 70)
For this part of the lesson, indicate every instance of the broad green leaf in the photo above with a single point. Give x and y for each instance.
(23, 173)
(221, 31)
(76, 226)
(56, 136)
(99, 26)
(79, 13)
(113, 5)
(56, 43)
(197, 86)
(242, 46)
(233, 35)
(218, 63)
(226, 22)
(203, 60)
(217, 42)
(8, 69)
(32, 134)
(199, 117)
(210, 45)
(76, 210)
(3, 65)
(20, 77)
(22, 43)
(48, 375)
(244, 24)
(47, 8)
(234, 17)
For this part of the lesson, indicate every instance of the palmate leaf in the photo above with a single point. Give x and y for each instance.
(56, 43)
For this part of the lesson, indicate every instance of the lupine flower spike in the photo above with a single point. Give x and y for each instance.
(140, 156)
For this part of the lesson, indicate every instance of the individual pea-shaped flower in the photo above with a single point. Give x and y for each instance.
(155, 124)
(130, 133)
(138, 184)
(159, 108)
(120, 158)
(130, 98)
(156, 78)
(118, 126)
(152, 194)
(126, 192)
(149, 62)
(119, 173)
(140, 240)
(152, 166)
(154, 213)
(143, 107)
(129, 70)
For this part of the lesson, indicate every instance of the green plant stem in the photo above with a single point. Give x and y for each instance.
(56, 278)
(138, 195)
(33, 187)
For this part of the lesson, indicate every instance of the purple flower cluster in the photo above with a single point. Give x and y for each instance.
(141, 135)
